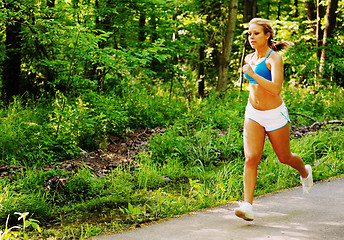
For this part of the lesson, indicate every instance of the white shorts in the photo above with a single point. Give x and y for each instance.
(271, 120)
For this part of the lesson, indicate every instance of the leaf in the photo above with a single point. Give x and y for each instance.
(22, 215)
(34, 224)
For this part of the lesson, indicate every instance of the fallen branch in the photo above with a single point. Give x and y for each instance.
(303, 115)
(320, 124)
(304, 130)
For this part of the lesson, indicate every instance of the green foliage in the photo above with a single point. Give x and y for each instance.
(197, 162)
(21, 130)
(133, 213)
(76, 47)
(84, 189)
(107, 116)
(73, 124)
(80, 187)
(11, 233)
(151, 109)
(208, 132)
(147, 174)
(12, 202)
(318, 103)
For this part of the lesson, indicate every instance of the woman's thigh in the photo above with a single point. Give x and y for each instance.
(280, 141)
(254, 138)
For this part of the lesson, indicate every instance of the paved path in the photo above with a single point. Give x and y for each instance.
(285, 215)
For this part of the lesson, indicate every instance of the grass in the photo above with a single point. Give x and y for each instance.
(197, 163)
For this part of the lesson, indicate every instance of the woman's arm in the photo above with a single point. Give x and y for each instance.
(248, 58)
(277, 73)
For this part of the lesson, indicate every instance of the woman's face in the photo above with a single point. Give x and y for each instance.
(257, 37)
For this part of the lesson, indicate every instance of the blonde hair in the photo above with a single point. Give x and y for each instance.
(274, 45)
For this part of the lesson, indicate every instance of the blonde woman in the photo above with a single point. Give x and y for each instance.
(266, 113)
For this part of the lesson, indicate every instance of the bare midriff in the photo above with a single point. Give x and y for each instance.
(262, 100)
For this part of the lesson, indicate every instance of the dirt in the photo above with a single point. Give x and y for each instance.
(119, 151)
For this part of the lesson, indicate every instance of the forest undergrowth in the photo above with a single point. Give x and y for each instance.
(194, 163)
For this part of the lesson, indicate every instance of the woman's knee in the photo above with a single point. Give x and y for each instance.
(252, 161)
(286, 159)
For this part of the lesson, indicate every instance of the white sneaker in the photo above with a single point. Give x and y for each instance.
(245, 211)
(307, 183)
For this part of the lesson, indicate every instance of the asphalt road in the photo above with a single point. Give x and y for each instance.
(287, 215)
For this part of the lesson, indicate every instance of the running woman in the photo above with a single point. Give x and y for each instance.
(266, 113)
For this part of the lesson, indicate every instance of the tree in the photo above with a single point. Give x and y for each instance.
(330, 22)
(296, 11)
(201, 72)
(311, 8)
(250, 10)
(11, 67)
(210, 10)
(227, 46)
(319, 31)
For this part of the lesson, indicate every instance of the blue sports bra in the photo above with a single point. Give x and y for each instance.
(261, 69)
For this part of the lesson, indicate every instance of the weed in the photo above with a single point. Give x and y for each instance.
(134, 214)
(20, 232)
(147, 174)
(89, 230)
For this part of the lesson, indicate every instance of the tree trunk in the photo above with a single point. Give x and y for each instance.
(227, 46)
(90, 66)
(319, 31)
(331, 17)
(311, 13)
(153, 25)
(11, 80)
(296, 12)
(104, 22)
(268, 12)
(142, 22)
(201, 71)
(279, 10)
(250, 10)
(330, 22)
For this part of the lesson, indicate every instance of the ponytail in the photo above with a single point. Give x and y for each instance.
(278, 45)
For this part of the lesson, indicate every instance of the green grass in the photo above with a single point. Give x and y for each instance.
(197, 163)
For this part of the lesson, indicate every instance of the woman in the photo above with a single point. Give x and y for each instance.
(266, 113)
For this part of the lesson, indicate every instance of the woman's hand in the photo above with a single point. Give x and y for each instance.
(247, 69)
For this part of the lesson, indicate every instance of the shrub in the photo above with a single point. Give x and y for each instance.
(12, 202)
(147, 109)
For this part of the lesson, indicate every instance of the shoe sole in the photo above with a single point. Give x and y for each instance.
(242, 215)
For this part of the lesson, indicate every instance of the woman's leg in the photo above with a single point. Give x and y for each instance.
(280, 141)
(254, 138)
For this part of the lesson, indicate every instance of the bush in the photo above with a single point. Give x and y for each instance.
(209, 132)
(151, 109)
(147, 175)
(21, 133)
(12, 202)
(319, 103)
(56, 131)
